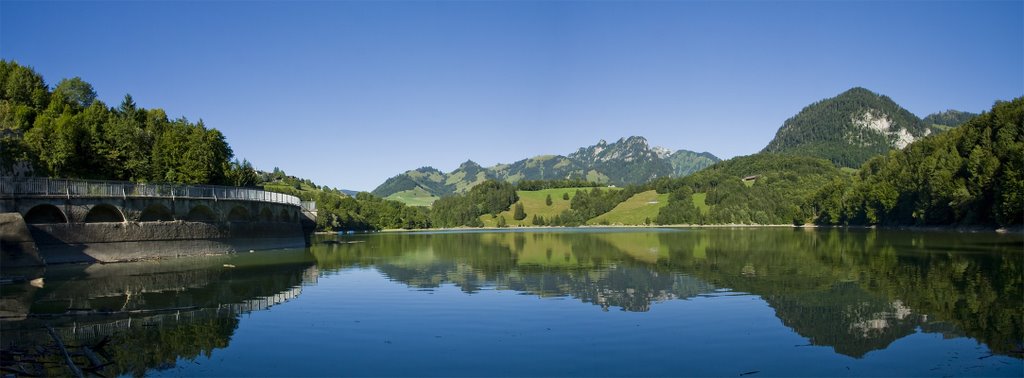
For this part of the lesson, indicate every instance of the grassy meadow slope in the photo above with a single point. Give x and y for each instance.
(641, 208)
(414, 197)
(534, 204)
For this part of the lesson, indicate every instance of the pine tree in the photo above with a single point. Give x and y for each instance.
(519, 214)
(501, 221)
(547, 201)
(565, 196)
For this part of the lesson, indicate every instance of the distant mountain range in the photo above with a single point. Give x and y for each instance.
(847, 130)
(626, 161)
(856, 125)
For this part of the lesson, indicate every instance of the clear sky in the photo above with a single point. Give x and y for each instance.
(350, 93)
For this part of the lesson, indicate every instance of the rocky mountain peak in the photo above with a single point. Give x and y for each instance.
(662, 152)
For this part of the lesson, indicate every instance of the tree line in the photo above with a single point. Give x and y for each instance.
(555, 184)
(68, 132)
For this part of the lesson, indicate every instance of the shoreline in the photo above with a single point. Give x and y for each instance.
(1016, 230)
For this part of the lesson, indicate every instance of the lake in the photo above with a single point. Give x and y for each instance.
(559, 302)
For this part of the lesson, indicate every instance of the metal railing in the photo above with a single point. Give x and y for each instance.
(47, 187)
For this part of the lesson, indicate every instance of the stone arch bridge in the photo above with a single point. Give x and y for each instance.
(65, 216)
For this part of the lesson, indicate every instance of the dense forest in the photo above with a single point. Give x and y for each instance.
(971, 175)
(490, 197)
(68, 132)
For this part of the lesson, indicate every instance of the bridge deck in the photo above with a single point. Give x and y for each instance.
(13, 187)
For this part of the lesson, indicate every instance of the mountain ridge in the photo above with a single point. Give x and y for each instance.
(629, 160)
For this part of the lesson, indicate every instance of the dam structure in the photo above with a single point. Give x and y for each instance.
(49, 221)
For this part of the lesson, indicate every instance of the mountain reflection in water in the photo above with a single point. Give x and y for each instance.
(854, 291)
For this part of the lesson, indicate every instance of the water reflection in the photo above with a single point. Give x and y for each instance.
(145, 315)
(855, 291)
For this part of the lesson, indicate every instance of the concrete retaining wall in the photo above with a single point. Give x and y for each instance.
(130, 241)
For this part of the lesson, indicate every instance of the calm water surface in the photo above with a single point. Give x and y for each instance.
(757, 302)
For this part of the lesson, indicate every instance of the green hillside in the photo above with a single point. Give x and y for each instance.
(414, 197)
(428, 179)
(534, 203)
(719, 195)
(700, 201)
(639, 209)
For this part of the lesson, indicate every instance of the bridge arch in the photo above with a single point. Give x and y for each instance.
(156, 212)
(285, 216)
(103, 213)
(266, 215)
(45, 213)
(238, 214)
(201, 213)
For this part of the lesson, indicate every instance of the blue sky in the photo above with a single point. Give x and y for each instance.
(350, 93)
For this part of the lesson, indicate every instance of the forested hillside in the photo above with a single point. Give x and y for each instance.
(971, 175)
(490, 197)
(69, 133)
(848, 129)
(758, 189)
